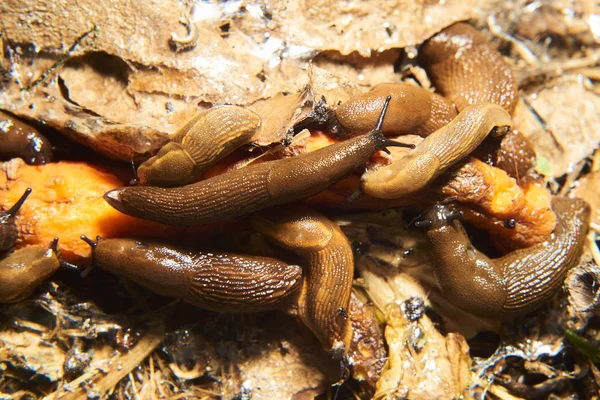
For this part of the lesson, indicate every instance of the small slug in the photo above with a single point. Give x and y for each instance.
(213, 281)
(412, 110)
(329, 270)
(18, 139)
(255, 187)
(8, 228)
(466, 68)
(203, 140)
(437, 152)
(516, 283)
(23, 270)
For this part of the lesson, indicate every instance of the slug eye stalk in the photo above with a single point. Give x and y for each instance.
(388, 143)
(11, 212)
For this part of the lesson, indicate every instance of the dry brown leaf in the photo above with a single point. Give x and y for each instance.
(149, 66)
(588, 188)
(568, 127)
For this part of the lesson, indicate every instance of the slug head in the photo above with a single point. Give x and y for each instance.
(438, 216)
(403, 177)
(23, 270)
(499, 118)
(38, 151)
(8, 229)
(171, 166)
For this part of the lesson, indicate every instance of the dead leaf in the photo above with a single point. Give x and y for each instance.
(566, 128)
(24, 349)
(588, 188)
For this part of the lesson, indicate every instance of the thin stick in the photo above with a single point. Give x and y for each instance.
(62, 58)
(98, 382)
(594, 248)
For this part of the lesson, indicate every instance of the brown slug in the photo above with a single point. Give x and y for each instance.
(213, 281)
(255, 187)
(512, 153)
(23, 270)
(467, 69)
(412, 110)
(8, 228)
(202, 141)
(328, 274)
(516, 283)
(18, 139)
(437, 152)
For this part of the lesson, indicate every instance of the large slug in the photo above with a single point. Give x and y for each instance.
(412, 110)
(255, 187)
(17, 139)
(23, 270)
(202, 141)
(516, 283)
(325, 296)
(213, 281)
(8, 228)
(437, 152)
(239, 283)
(467, 69)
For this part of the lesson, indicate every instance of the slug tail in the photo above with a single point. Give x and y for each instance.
(114, 199)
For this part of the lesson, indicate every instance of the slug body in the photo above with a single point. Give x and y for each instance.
(412, 110)
(516, 283)
(18, 139)
(329, 270)
(213, 281)
(8, 228)
(437, 152)
(202, 141)
(23, 270)
(246, 190)
(467, 69)
(511, 153)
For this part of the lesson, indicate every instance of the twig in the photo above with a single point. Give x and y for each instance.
(98, 382)
(596, 161)
(502, 393)
(62, 59)
(543, 123)
(519, 46)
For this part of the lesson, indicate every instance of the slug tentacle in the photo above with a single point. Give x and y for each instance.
(466, 68)
(246, 190)
(325, 297)
(89, 241)
(8, 228)
(437, 152)
(206, 138)
(213, 281)
(513, 284)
